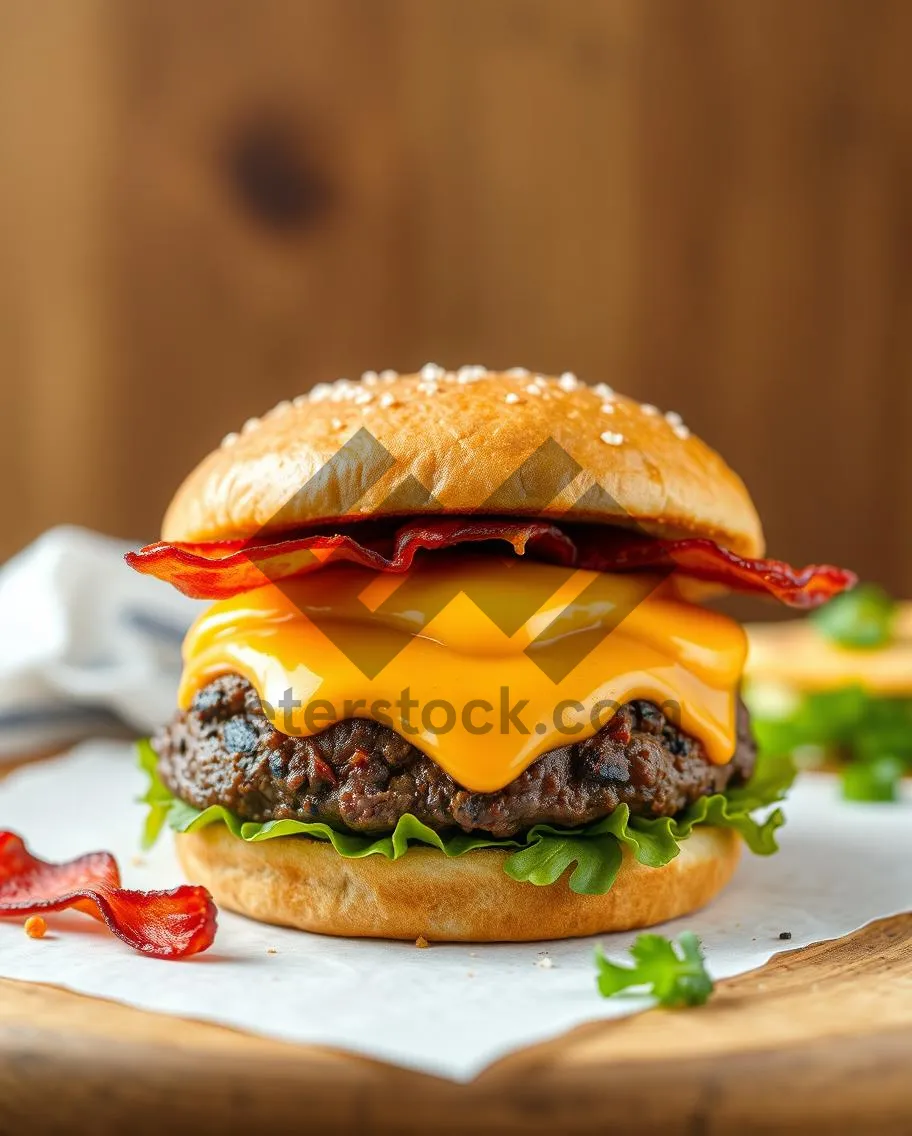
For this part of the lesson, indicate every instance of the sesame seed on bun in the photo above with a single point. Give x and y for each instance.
(462, 436)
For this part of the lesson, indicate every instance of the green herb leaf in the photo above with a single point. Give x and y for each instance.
(591, 854)
(876, 780)
(862, 618)
(674, 973)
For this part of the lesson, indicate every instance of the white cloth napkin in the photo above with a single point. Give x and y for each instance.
(87, 646)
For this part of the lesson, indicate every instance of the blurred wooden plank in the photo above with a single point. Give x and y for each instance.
(56, 110)
(262, 202)
(527, 154)
(780, 191)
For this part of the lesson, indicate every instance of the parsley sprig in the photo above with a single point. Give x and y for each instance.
(674, 973)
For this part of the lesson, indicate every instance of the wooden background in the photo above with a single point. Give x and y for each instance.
(206, 206)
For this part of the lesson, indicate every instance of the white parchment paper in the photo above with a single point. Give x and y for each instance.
(451, 1009)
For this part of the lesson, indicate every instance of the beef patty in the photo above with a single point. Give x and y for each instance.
(362, 776)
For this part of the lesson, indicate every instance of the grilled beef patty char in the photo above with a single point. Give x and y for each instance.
(362, 776)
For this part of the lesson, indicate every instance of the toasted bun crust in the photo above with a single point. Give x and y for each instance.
(302, 883)
(462, 437)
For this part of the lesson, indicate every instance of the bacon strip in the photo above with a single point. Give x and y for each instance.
(703, 559)
(163, 924)
(219, 569)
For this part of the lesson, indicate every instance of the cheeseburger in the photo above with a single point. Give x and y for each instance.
(835, 690)
(456, 679)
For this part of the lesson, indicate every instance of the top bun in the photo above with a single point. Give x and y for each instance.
(458, 440)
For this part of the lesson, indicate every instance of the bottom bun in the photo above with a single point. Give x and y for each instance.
(296, 882)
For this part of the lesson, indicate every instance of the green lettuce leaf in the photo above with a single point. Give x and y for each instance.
(876, 780)
(540, 856)
(157, 796)
(674, 973)
(857, 728)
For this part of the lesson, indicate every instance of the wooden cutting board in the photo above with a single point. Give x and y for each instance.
(819, 1039)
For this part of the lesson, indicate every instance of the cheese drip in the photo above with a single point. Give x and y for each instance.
(444, 652)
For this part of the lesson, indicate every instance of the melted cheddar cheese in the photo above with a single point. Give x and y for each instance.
(445, 652)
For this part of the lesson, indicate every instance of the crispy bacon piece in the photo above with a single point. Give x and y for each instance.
(703, 559)
(164, 924)
(219, 569)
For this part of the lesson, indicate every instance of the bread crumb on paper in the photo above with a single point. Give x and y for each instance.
(421, 942)
(35, 927)
(545, 963)
(272, 950)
